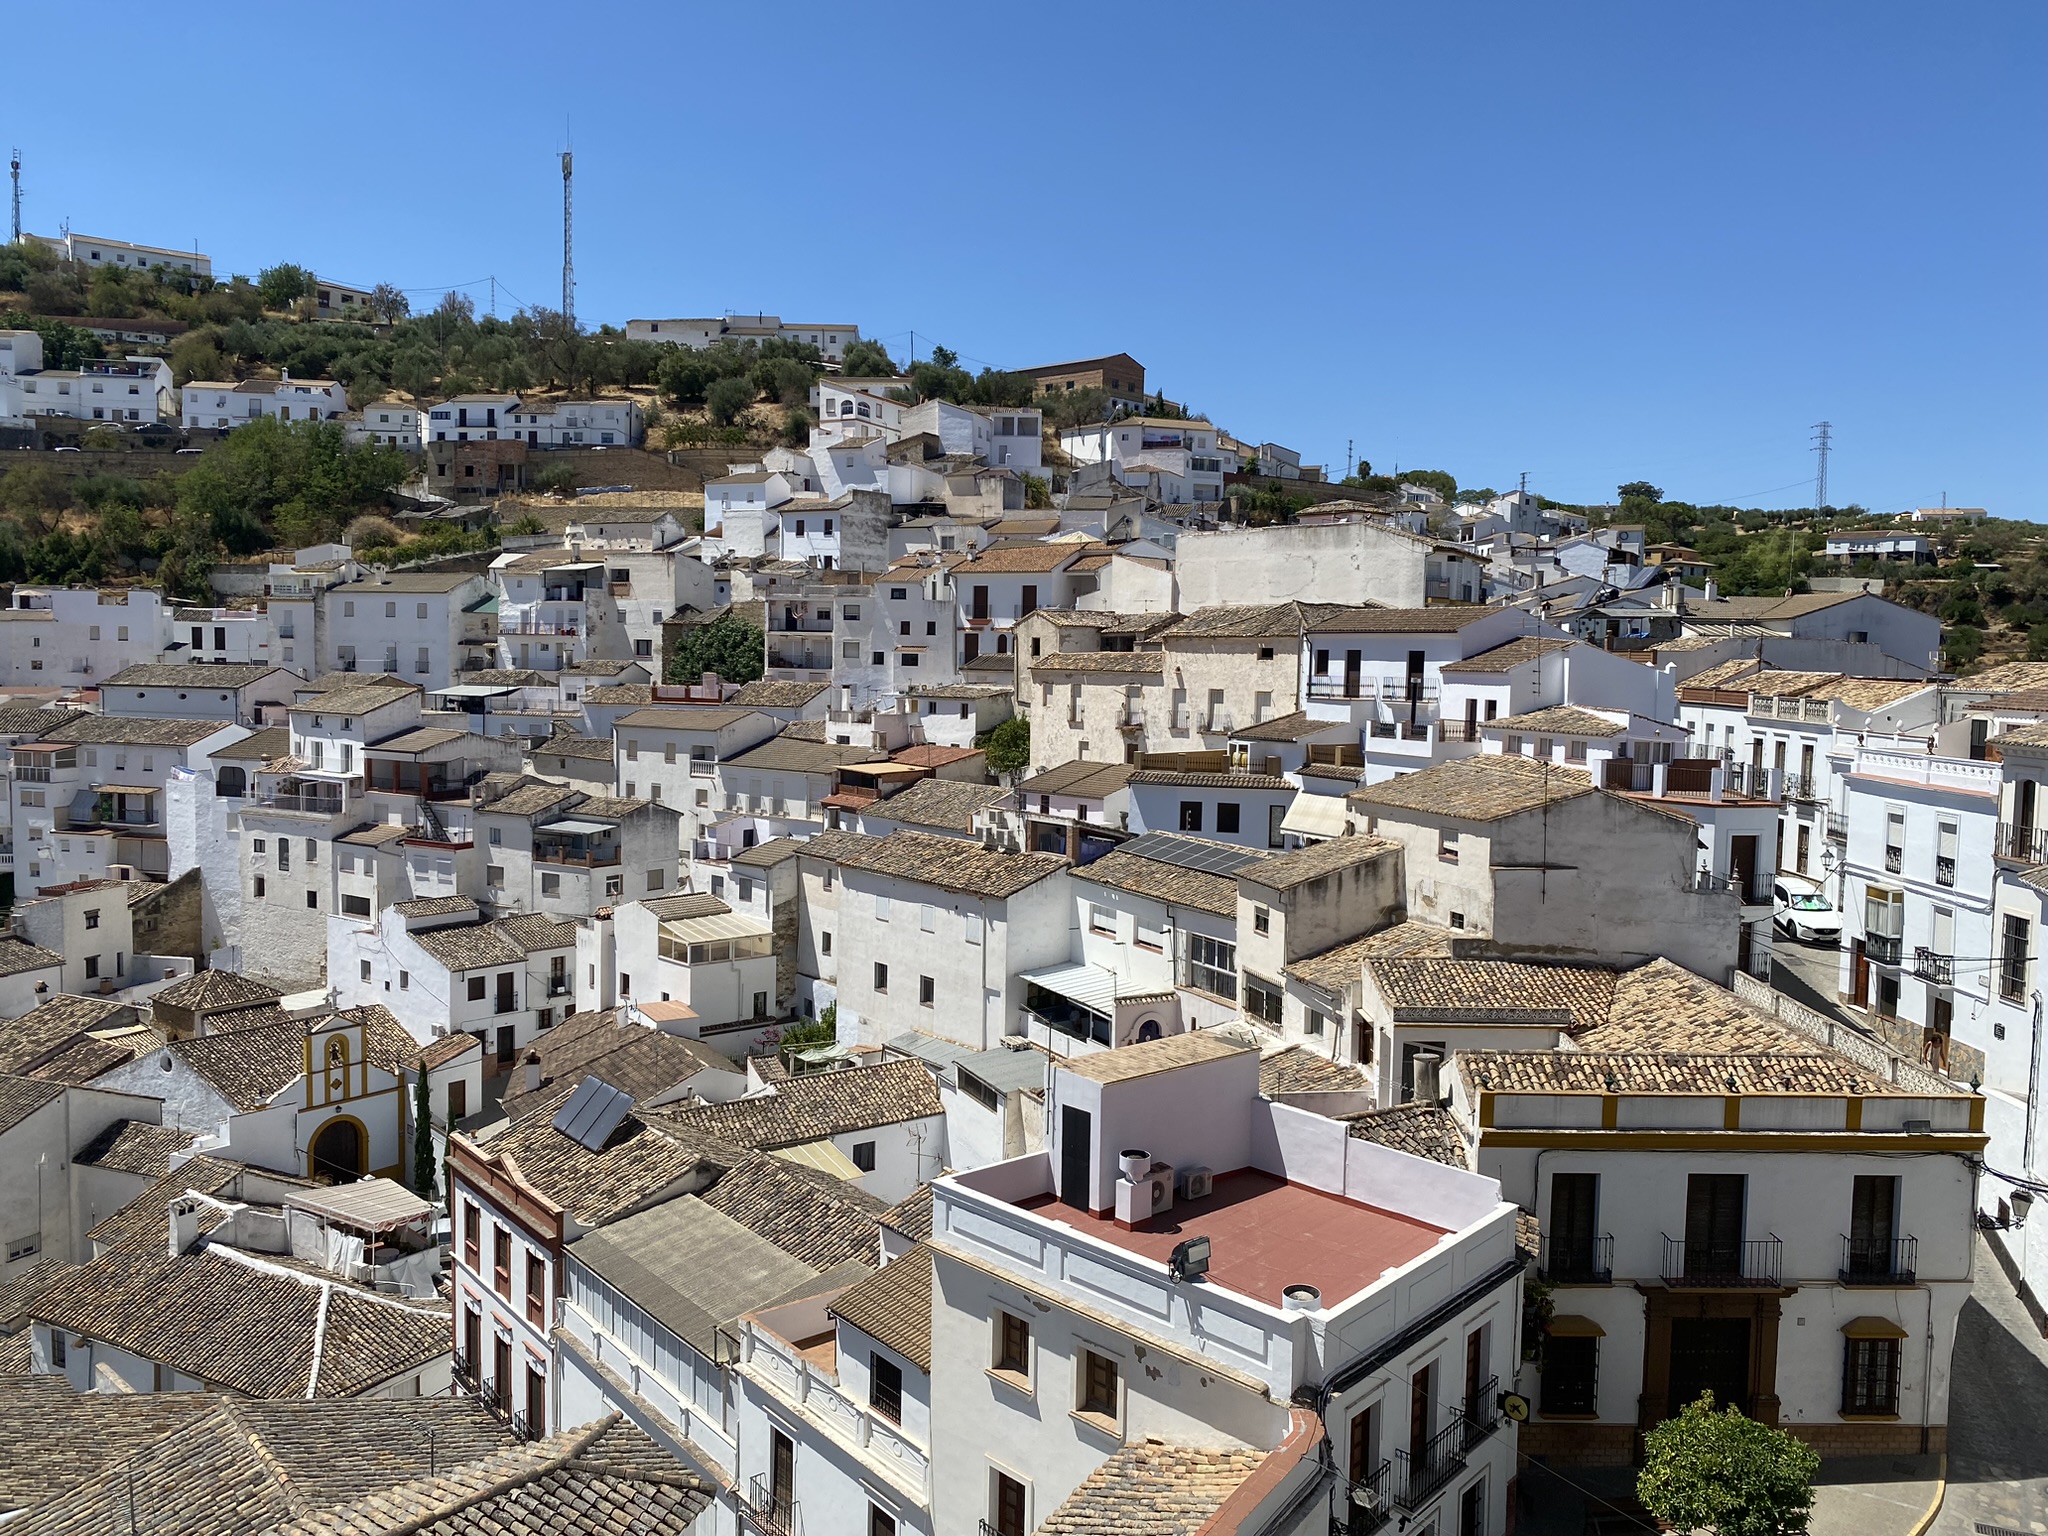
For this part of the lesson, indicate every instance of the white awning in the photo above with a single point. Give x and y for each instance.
(475, 691)
(1089, 985)
(1315, 816)
(824, 1157)
(715, 926)
(576, 828)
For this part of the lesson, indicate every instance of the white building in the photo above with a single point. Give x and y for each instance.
(223, 405)
(134, 390)
(90, 251)
(701, 335)
(1171, 460)
(389, 424)
(419, 625)
(578, 423)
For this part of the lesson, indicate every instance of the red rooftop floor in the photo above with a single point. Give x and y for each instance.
(1266, 1234)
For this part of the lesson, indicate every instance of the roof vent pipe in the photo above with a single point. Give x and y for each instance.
(1301, 1298)
(1427, 1077)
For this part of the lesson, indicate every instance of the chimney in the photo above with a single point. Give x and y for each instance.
(533, 1071)
(1428, 1087)
(184, 1224)
(1713, 590)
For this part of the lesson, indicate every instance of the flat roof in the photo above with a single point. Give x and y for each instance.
(1266, 1234)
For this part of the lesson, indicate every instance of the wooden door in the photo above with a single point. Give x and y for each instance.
(1713, 1223)
(1077, 1137)
(1710, 1354)
(1859, 975)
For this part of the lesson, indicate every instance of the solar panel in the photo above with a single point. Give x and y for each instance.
(1191, 853)
(590, 1114)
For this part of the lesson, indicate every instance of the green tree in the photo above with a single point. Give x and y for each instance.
(389, 304)
(728, 646)
(1037, 493)
(422, 1133)
(283, 285)
(727, 398)
(1009, 745)
(559, 479)
(867, 360)
(1638, 490)
(796, 427)
(1721, 1472)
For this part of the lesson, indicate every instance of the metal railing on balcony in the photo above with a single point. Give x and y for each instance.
(465, 1370)
(1882, 948)
(1879, 1260)
(309, 804)
(1583, 1263)
(1342, 688)
(2022, 843)
(1944, 871)
(1408, 690)
(492, 1395)
(521, 1430)
(1420, 1474)
(1751, 1262)
(1369, 1501)
(1799, 786)
(1838, 826)
(1480, 1418)
(1930, 965)
(1894, 859)
(769, 1508)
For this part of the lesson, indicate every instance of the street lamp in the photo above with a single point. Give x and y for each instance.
(2022, 1202)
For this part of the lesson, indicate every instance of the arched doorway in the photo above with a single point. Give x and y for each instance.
(337, 1151)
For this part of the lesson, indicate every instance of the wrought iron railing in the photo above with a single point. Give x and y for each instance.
(2022, 843)
(1838, 826)
(1929, 965)
(465, 1370)
(1879, 1260)
(1751, 1262)
(1431, 1465)
(1883, 948)
(1480, 1418)
(1587, 1263)
(1369, 1501)
(770, 1508)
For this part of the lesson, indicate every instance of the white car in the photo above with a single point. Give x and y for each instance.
(1803, 912)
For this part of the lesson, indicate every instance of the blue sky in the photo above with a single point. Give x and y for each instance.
(1595, 242)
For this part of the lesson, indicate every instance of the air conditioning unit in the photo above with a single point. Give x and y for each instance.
(1194, 1183)
(1149, 1194)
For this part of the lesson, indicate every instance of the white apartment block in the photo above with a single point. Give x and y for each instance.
(703, 334)
(1172, 461)
(126, 392)
(225, 405)
(577, 424)
(69, 636)
(419, 625)
(90, 251)
(388, 424)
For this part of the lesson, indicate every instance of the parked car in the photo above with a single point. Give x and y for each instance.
(64, 448)
(1804, 912)
(191, 450)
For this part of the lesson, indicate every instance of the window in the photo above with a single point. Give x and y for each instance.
(927, 991)
(885, 1387)
(881, 977)
(1894, 838)
(363, 969)
(1946, 835)
(259, 885)
(1447, 846)
(476, 989)
(1098, 1385)
(824, 943)
(1571, 1374)
(864, 1156)
(92, 966)
(654, 879)
(1191, 815)
(313, 901)
(501, 1262)
(2012, 959)
(1226, 816)
(1212, 965)
(536, 1290)
(472, 1230)
(1870, 1376)
(1013, 1345)
(1575, 751)
(92, 918)
(880, 1523)
(1262, 920)
(1262, 1000)
(1008, 1498)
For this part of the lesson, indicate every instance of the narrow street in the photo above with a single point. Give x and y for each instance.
(1998, 1414)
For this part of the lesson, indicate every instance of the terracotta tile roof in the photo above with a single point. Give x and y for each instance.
(1398, 621)
(792, 754)
(947, 803)
(32, 721)
(928, 756)
(1425, 990)
(893, 1306)
(689, 717)
(620, 693)
(1523, 648)
(18, 955)
(204, 991)
(450, 1047)
(959, 691)
(912, 1215)
(21, 1097)
(638, 1061)
(809, 1215)
(1294, 727)
(1232, 622)
(1152, 1056)
(1421, 1130)
(638, 1163)
(1149, 662)
(587, 748)
(770, 693)
(1342, 965)
(1150, 1489)
(45, 1031)
(607, 1477)
(1297, 1069)
(103, 730)
(1330, 771)
(767, 855)
(533, 932)
(836, 845)
(1172, 883)
(1490, 787)
(142, 1220)
(511, 794)
(134, 1146)
(434, 906)
(508, 677)
(191, 674)
(469, 946)
(1314, 861)
(1249, 781)
(1664, 1007)
(1560, 720)
(247, 1067)
(817, 1106)
(673, 909)
(1713, 1073)
(57, 1439)
(1081, 778)
(608, 807)
(954, 864)
(256, 1331)
(1003, 559)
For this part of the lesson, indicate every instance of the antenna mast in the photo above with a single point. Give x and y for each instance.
(1823, 437)
(568, 244)
(14, 165)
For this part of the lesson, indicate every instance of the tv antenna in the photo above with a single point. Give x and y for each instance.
(568, 243)
(14, 165)
(1823, 438)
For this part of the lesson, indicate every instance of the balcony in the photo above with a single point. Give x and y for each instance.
(1838, 827)
(312, 802)
(1342, 688)
(770, 1509)
(1882, 948)
(595, 858)
(1879, 1260)
(1408, 690)
(1803, 787)
(465, 1371)
(1894, 859)
(1720, 1266)
(1420, 1474)
(2022, 843)
(1480, 1418)
(1929, 965)
(1370, 1501)
(1944, 871)
(1578, 1264)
